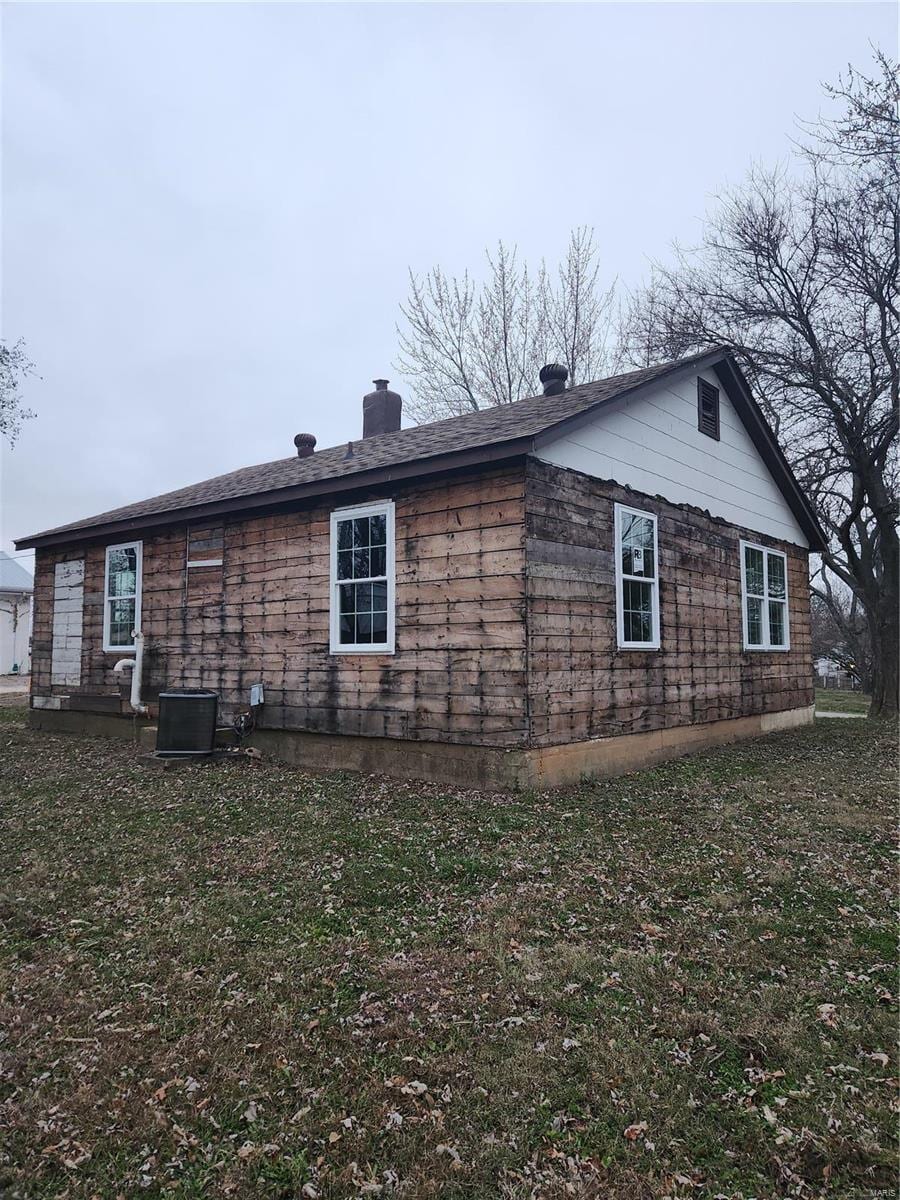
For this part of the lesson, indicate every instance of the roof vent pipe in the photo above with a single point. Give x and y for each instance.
(381, 410)
(305, 443)
(553, 376)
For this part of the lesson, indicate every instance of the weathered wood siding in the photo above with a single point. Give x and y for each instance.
(506, 630)
(458, 673)
(580, 684)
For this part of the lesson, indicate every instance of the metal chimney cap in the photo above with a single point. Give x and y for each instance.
(381, 384)
(305, 443)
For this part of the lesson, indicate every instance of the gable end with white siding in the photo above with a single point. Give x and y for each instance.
(650, 441)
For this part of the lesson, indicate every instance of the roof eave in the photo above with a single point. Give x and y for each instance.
(280, 497)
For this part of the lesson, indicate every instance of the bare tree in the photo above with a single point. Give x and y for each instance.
(839, 628)
(15, 366)
(466, 345)
(797, 271)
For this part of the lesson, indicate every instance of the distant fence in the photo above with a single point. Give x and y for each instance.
(841, 682)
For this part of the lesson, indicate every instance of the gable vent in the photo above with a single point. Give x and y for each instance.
(707, 408)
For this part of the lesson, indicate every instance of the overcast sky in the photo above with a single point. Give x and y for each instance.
(209, 211)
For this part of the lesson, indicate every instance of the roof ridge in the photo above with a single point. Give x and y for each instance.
(576, 387)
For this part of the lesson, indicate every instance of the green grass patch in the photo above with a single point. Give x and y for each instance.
(834, 700)
(252, 982)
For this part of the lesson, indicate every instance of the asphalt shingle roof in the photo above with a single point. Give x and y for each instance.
(489, 427)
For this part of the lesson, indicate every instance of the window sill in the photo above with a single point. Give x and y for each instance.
(338, 650)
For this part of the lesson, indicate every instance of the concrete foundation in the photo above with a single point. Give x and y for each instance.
(91, 724)
(483, 767)
(552, 766)
(480, 767)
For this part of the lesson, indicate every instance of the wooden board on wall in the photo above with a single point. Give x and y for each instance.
(580, 684)
(263, 616)
(505, 604)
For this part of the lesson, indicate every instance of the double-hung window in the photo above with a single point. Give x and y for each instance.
(765, 598)
(362, 579)
(637, 579)
(122, 596)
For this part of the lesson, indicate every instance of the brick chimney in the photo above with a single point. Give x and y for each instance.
(381, 410)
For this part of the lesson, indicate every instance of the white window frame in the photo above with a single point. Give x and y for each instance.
(138, 547)
(383, 508)
(621, 510)
(765, 644)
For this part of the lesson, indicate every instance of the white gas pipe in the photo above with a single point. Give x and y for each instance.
(136, 665)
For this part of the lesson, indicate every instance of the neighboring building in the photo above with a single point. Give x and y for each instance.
(16, 588)
(830, 674)
(588, 580)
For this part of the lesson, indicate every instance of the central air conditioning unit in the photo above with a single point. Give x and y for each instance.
(187, 723)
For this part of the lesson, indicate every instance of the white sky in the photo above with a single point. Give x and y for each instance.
(209, 211)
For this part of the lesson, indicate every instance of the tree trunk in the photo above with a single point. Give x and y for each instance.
(885, 626)
(886, 674)
(866, 682)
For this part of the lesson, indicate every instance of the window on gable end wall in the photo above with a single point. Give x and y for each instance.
(362, 579)
(765, 598)
(122, 595)
(707, 408)
(637, 579)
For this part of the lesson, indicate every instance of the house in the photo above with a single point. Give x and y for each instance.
(589, 580)
(16, 587)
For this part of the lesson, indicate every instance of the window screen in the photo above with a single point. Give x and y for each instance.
(765, 598)
(121, 601)
(637, 601)
(362, 579)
